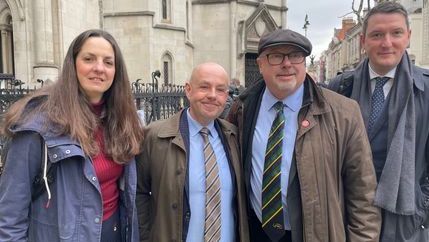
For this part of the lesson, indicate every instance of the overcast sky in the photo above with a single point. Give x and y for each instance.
(324, 16)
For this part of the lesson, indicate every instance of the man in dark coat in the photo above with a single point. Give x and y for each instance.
(393, 95)
(307, 162)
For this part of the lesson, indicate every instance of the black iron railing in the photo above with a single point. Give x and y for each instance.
(158, 102)
(153, 101)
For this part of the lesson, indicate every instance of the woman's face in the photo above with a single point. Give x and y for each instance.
(95, 67)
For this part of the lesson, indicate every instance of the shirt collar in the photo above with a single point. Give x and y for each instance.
(195, 127)
(373, 74)
(293, 102)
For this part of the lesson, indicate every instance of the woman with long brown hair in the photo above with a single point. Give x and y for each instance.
(78, 137)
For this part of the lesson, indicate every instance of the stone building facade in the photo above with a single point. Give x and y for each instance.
(166, 35)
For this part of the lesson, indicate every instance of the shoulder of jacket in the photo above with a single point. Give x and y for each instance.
(338, 102)
(155, 126)
(421, 71)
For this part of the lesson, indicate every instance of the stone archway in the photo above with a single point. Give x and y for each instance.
(259, 23)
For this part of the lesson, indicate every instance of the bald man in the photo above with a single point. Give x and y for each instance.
(189, 178)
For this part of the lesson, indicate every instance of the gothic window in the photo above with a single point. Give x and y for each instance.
(166, 10)
(167, 69)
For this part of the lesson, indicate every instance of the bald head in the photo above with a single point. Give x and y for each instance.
(207, 91)
(210, 68)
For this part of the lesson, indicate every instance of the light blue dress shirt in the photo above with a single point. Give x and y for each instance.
(197, 184)
(266, 116)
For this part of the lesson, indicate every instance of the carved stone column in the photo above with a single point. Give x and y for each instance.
(44, 61)
(6, 47)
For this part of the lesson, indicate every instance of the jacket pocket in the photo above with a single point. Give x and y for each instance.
(42, 231)
(413, 223)
(425, 202)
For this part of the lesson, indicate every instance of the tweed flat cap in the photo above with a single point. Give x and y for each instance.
(284, 37)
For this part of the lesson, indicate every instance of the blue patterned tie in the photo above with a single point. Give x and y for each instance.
(272, 208)
(377, 100)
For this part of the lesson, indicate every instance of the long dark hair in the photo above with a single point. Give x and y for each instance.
(67, 107)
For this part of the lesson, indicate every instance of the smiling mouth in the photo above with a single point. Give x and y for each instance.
(285, 75)
(210, 104)
(96, 79)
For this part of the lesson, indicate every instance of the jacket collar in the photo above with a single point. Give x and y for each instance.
(312, 95)
(172, 129)
(177, 127)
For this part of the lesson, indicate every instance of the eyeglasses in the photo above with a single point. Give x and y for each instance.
(296, 57)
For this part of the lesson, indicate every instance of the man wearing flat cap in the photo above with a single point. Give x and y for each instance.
(307, 161)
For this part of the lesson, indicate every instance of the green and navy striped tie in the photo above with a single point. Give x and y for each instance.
(272, 209)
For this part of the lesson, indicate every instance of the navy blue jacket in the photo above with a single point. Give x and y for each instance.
(75, 210)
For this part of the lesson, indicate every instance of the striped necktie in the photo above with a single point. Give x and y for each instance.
(212, 220)
(377, 100)
(272, 209)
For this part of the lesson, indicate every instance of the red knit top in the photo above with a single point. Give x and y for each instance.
(108, 172)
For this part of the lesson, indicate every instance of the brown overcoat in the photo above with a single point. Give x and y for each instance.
(162, 178)
(333, 166)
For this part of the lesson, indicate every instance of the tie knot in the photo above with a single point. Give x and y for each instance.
(204, 131)
(278, 106)
(380, 81)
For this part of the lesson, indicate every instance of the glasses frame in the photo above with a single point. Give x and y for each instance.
(284, 55)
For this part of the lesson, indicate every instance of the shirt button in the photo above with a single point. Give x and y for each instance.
(54, 156)
(67, 151)
(97, 220)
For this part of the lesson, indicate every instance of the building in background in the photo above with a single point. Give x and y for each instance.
(345, 51)
(166, 35)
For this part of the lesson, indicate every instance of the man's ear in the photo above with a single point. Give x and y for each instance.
(362, 40)
(187, 89)
(258, 61)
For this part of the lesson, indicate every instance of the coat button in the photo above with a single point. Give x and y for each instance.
(97, 220)
(54, 156)
(94, 178)
(67, 151)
